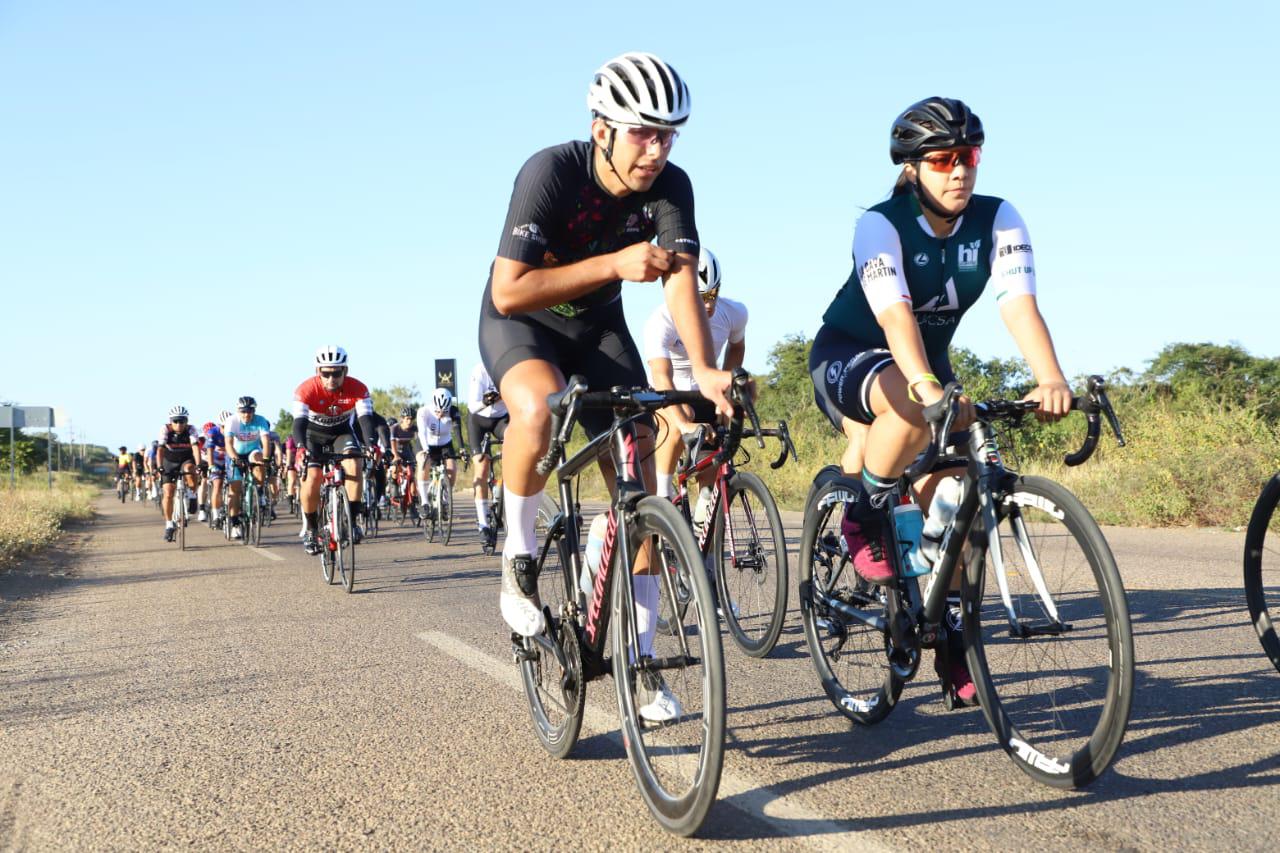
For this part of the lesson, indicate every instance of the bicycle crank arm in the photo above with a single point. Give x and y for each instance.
(672, 662)
(851, 613)
(1024, 629)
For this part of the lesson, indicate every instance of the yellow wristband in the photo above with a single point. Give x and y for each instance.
(911, 386)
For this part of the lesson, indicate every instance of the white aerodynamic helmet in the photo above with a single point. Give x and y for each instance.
(708, 270)
(331, 356)
(178, 412)
(440, 399)
(224, 416)
(639, 88)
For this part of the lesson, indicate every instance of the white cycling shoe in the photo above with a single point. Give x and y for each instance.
(519, 609)
(661, 705)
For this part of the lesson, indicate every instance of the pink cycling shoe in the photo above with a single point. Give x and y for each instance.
(865, 539)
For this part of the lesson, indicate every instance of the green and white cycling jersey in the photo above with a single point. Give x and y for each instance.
(897, 258)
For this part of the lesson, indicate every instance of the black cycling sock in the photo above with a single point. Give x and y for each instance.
(313, 521)
(877, 489)
(357, 508)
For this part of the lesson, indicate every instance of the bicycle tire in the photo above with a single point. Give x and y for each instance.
(431, 505)
(346, 543)
(446, 511)
(860, 682)
(1047, 726)
(328, 559)
(180, 513)
(249, 514)
(497, 511)
(1262, 566)
(753, 593)
(556, 694)
(681, 811)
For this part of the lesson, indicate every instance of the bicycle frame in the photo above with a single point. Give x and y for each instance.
(622, 441)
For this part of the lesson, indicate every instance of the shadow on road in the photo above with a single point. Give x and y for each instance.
(1174, 706)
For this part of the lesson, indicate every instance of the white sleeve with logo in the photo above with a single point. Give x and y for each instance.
(1013, 268)
(659, 334)
(877, 256)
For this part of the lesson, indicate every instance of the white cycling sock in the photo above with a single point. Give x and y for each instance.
(664, 485)
(646, 593)
(482, 512)
(422, 491)
(522, 517)
(170, 525)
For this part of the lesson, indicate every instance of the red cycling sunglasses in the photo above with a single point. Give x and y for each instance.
(946, 161)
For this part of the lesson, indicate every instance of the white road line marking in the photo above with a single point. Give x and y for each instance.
(264, 552)
(782, 812)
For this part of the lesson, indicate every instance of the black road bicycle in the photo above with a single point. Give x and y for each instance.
(676, 763)
(496, 520)
(1262, 568)
(742, 540)
(1044, 618)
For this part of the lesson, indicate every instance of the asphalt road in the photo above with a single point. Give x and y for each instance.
(225, 697)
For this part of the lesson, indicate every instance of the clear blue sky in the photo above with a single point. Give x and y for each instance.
(174, 172)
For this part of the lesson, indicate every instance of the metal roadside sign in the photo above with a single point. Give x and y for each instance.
(27, 417)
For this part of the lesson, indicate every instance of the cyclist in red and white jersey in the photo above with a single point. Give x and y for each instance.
(326, 410)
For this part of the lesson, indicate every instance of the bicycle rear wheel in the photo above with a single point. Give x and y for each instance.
(1056, 683)
(556, 691)
(751, 566)
(676, 763)
(1262, 568)
(850, 656)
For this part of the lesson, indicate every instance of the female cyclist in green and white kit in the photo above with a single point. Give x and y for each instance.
(920, 260)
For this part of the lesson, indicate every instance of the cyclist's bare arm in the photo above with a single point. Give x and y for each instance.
(1021, 315)
(519, 288)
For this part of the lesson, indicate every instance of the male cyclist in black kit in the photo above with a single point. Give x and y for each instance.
(580, 221)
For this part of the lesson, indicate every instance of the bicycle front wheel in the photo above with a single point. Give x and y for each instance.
(1262, 568)
(328, 538)
(751, 565)
(346, 543)
(446, 511)
(670, 690)
(1051, 654)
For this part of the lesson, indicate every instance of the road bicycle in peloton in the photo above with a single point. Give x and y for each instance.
(1262, 568)
(1044, 618)
(335, 537)
(372, 511)
(402, 492)
(496, 520)
(437, 503)
(676, 763)
(741, 538)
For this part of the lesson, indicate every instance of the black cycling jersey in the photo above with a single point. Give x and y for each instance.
(560, 214)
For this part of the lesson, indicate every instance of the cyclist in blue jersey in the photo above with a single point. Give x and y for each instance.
(582, 219)
(246, 435)
(920, 260)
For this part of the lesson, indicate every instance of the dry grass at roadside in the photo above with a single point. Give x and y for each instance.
(32, 515)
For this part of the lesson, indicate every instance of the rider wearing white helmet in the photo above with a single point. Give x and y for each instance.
(584, 217)
(436, 421)
(176, 458)
(669, 365)
(326, 410)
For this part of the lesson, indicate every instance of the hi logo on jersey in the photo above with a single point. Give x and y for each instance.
(968, 255)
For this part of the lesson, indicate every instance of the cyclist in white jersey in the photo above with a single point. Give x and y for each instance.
(669, 365)
(435, 430)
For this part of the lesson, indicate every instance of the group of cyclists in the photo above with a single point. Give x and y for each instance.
(586, 215)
